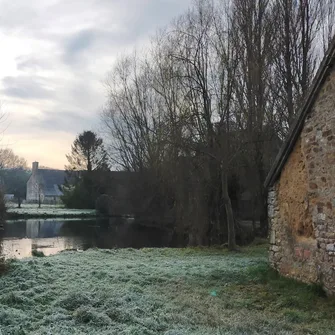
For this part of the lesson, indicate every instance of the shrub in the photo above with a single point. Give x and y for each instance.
(103, 204)
(3, 265)
(37, 253)
(2, 210)
(77, 196)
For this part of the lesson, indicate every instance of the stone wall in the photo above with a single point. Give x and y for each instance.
(293, 245)
(302, 201)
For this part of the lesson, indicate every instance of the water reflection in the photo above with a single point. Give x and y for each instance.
(2, 229)
(2, 259)
(52, 236)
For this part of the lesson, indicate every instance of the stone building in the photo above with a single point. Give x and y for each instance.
(301, 201)
(44, 185)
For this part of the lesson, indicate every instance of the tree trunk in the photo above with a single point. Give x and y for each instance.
(288, 62)
(229, 212)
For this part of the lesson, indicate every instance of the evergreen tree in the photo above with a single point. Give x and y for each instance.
(88, 159)
(87, 153)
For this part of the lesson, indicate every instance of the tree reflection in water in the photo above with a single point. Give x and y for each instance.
(2, 257)
(53, 236)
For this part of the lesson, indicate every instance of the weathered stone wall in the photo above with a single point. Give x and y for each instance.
(302, 202)
(293, 245)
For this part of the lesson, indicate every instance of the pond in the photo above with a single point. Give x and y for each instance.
(20, 238)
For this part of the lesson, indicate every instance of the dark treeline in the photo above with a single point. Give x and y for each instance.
(207, 106)
(14, 175)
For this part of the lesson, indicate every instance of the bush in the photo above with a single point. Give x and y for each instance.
(3, 265)
(37, 253)
(2, 210)
(78, 197)
(103, 204)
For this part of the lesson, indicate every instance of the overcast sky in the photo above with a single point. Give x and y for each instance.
(55, 55)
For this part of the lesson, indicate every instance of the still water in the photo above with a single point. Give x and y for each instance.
(20, 238)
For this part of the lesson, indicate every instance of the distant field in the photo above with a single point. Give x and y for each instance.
(159, 291)
(32, 210)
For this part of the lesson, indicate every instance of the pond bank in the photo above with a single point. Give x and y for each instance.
(158, 291)
(26, 216)
(32, 211)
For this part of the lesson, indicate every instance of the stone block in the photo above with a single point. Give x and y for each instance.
(330, 158)
(298, 252)
(313, 186)
(330, 247)
(327, 133)
(321, 217)
(275, 248)
(273, 237)
(307, 254)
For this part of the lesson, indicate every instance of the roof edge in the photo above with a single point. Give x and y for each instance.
(285, 151)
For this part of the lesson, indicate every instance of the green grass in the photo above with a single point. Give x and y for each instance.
(194, 291)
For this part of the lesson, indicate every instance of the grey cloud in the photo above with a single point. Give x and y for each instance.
(71, 44)
(92, 43)
(53, 121)
(25, 87)
(155, 14)
(75, 45)
(111, 25)
(27, 63)
(15, 14)
(147, 16)
(42, 19)
(80, 41)
(64, 121)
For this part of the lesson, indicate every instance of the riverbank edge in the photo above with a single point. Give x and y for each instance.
(26, 216)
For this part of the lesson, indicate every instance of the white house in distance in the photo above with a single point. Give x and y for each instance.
(44, 185)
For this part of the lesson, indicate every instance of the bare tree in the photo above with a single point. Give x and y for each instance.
(39, 192)
(213, 97)
(9, 160)
(298, 25)
(327, 19)
(253, 40)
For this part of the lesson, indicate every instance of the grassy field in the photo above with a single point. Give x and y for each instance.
(33, 211)
(158, 291)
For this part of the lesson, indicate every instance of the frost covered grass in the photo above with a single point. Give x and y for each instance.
(158, 291)
(33, 211)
